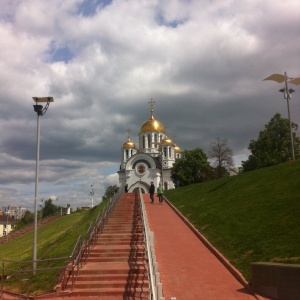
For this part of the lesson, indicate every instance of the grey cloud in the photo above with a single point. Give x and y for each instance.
(203, 64)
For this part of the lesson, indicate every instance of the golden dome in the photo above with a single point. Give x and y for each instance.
(177, 149)
(152, 125)
(167, 141)
(129, 144)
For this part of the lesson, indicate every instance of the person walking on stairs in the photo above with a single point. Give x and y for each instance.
(151, 191)
(160, 193)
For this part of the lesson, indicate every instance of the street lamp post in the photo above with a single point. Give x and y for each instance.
(287, 95)
(92, 193)
(40, 110)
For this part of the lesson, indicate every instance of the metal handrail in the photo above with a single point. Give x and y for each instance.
(152, 295)
(155, 288)
(88, 243)
(22, 270)
(78, 255)
(75, 247)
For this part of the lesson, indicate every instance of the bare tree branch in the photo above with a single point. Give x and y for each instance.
(221, 155)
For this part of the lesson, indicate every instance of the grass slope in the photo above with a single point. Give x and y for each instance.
(250, 217)
(55, 239)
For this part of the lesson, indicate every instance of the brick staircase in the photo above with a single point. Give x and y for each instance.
(116, 268)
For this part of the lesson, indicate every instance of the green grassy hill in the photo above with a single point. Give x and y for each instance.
(55, 239)
(249, 217)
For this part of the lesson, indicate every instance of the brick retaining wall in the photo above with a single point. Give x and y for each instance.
(278, 281)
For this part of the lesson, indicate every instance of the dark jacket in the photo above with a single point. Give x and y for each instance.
(152, 189)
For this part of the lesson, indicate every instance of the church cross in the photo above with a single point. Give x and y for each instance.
(151, 102)
(129, 132)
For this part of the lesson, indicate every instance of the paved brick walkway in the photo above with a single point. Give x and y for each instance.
(188, 270)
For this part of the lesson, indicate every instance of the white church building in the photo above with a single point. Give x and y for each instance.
(152, 160)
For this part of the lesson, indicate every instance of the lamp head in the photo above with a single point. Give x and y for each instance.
(38, 108)
(43, 99)
(291, 91)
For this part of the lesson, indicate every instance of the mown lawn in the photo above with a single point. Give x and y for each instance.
(250, 217)
(55, 239)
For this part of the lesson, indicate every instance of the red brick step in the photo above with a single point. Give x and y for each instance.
(117, 265)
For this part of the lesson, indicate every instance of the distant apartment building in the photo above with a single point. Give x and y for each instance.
(6, 225)
(8, 216)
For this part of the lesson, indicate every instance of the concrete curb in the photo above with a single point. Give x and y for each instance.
(237, 274)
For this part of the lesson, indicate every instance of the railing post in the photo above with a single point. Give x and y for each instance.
(155, 267)
(2, 278)
(152, 238)
(159, 290)
(157, 278)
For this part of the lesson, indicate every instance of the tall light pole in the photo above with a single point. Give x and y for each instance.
(92, 193)
(287, 95)
(40, 110)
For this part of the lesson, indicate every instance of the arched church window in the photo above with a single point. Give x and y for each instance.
(149, 141)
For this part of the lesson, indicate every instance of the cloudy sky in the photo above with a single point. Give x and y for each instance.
(202, 61)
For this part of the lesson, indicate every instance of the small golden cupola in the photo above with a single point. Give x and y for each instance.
(128, 144)
(128, 150)
(168, 152)
(177, 149)
(167, 141)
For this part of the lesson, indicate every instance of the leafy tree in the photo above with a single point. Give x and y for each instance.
(273, 145)
(110, 191)
(28, 218)
(221, 156)
(193, 167)
(49, 209)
